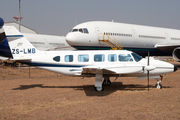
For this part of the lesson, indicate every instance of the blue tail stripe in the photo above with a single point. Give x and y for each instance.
(5, 49)
(1, 23)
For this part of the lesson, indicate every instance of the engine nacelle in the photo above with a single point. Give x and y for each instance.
(176, 54)
(1, 23)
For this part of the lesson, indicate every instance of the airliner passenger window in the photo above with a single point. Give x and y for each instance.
(99, 58)
(74, 30)
(68, 58)
(80, 30)
(125, 58)
(112, 57)
(85, 30)
(83, 58)
(57, 58)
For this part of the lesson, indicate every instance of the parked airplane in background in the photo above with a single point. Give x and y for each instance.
(98, 64)
(40, 41)
(100, 35)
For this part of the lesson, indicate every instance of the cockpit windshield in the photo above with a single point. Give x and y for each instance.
(136, 57)
(82, 30)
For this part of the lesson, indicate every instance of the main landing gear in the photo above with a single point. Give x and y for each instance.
(106, 82)
(158, 85)
(99, 85)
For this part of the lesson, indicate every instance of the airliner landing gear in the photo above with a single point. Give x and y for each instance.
(158, 85)
(106, 82)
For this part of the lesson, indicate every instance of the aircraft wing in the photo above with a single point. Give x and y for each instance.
(167, 47)
(114, 69)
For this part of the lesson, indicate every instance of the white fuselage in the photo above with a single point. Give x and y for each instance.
(137, 38)
(85, 63)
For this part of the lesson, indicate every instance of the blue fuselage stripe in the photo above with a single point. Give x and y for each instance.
(14, 36)
(50, 65)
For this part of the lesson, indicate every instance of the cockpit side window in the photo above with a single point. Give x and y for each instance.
(74, 30)
(85, 30)
(136, 57)
(125, 58)
(82, 30)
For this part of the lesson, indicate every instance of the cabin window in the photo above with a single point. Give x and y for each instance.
(136, 57)
(69, 58)
(99, 58)
(83, 58)
(112, 57)
(57, 58)
(124, 58)
(85, 30)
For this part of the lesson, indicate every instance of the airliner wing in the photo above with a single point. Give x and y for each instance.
(167, 47)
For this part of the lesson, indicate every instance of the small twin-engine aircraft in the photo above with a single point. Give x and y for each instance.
(99, 64)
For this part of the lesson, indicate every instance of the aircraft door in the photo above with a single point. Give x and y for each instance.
(167, 38)
(135, 37)
(99, 36)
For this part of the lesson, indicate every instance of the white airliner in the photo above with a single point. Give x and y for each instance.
(98, 64)
(98, 35)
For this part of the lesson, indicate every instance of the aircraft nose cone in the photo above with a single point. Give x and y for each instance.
(1, 22)
(70, 38)
(175, 68)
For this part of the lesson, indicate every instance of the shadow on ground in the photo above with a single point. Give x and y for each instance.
(90, 90)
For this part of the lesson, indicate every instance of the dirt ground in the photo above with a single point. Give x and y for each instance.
(52, 96)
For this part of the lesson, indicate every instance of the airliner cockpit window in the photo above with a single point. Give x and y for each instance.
(80, 30)
(85, 30)
(74, 30)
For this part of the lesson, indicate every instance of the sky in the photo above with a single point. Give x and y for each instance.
(58, 17)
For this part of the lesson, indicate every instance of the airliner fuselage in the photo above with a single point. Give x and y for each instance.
(138, 38)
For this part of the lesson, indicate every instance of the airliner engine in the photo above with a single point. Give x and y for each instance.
(176, 54)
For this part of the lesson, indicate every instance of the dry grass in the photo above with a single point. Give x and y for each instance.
(47, 95)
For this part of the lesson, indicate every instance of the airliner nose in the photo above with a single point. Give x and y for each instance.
(175, 68)
(70, 38)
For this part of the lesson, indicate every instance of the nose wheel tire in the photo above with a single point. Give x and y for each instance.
(158, 86)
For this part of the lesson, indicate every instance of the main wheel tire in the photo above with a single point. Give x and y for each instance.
(106, 82)
(158, 86)
(109, 82)
(99, 88)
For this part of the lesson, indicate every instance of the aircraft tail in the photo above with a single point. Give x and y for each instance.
(14, 45)
(4, 46)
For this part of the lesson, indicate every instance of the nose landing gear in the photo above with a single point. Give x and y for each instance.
(158, 85)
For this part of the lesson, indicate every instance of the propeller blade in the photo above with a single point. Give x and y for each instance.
(148, 71)
(148, 79)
